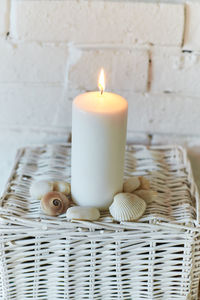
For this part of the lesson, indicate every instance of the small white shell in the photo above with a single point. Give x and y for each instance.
(127, 207)
(131, 184)
(147, 195)
(144, 183)
(83, 213)
(63, 187)
(40, 188)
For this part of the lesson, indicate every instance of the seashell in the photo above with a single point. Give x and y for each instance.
(148, 195)
(131, 184)
(83, 213)
(127, 207)
(54, 203)
(40, 188)
(63, 187)
(144, 183)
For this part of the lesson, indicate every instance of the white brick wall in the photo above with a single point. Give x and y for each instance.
(97, 21)
(32, 62)
(175, 72)
(4, 17)
(155, 113)
(192, 30)
(126, 69)
(51, 50)
(34, 106)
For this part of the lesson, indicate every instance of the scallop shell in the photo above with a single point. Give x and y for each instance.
(40, 188)
(127, 207)
(148, 195)
(131, 184)
(83, 213)
(63, 187)
(55, 203)
(144, 183)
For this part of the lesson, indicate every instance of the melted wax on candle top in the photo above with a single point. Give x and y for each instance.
(101, 103)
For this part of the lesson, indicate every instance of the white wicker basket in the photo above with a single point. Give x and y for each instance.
(44, 257)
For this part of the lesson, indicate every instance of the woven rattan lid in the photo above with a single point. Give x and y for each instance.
(167, 168)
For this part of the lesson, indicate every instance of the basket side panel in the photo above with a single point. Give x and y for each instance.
(196, 268)
(4, 282)
(134, 265)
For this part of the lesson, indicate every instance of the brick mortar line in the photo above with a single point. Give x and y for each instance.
(184, 26)
(8, 19)
(149, 80)
(89, 47)
(61, 84)
(137, 1)
(67, 130)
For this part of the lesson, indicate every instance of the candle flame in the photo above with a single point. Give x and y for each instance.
(102, 81)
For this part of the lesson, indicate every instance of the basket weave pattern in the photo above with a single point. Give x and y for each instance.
(44, 257)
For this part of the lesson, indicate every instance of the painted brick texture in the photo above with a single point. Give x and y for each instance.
(56, 48)
(176, 72)
(33, 106)
(192, 28)
(126, 69)
(32, 62)
(51, 50)
(97, 22)
(4, 17)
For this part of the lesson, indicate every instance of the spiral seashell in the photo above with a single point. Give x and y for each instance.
(40, 188)
(144, 183)
(131, 184)
(55, 203)
(63, 187)
(148, 195)
(83, 213)
(127, 207)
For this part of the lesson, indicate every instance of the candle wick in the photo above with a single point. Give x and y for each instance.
(101, 91)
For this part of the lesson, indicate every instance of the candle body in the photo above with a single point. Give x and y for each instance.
(98, 147)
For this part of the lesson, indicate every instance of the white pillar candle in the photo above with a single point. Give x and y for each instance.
(99, 122)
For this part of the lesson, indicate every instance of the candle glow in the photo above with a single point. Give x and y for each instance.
(101, 83)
